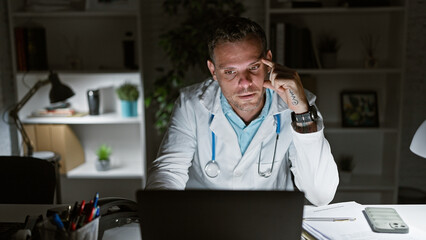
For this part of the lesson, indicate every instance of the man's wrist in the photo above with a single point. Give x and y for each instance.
(305, 122)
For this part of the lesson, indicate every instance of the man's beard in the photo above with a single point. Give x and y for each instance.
(246, 106)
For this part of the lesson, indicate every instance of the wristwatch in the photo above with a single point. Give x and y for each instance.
(309, 116)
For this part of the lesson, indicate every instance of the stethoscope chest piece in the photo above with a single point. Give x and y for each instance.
(212, 169)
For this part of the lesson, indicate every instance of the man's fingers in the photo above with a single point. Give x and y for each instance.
(267, 62)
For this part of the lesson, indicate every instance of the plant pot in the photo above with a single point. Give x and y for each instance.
(129, 109)
(371, 62)
(103, 165)
(345, 176)
(329, 59)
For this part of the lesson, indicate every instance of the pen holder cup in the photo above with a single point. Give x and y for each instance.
(49, 231)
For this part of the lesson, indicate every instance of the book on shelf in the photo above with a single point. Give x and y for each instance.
(293, 46)
(59, 112)
(30, 46)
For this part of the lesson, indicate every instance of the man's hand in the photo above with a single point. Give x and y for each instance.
(286, 82)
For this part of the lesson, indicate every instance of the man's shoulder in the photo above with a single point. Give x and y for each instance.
(197, 90)
(198, 87)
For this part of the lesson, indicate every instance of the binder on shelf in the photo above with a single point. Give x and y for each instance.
(293, 46)
(31, 51)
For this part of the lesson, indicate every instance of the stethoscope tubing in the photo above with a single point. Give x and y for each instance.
(213, 159)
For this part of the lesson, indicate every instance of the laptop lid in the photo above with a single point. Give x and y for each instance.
(202, 214)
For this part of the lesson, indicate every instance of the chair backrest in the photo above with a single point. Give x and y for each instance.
(26, 180)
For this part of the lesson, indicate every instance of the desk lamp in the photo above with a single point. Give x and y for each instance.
(58, 93)
(418, 144)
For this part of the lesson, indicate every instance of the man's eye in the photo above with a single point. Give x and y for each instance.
(230, 72)
(255, 67)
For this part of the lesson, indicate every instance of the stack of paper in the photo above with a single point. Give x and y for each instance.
(357, 229)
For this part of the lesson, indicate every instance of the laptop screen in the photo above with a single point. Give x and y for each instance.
(202, 214)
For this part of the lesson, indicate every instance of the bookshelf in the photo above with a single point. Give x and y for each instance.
(86, 48)
(375, 150)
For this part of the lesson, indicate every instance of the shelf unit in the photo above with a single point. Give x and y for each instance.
(374, 150)
(85, 48)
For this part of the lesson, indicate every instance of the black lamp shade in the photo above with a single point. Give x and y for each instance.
(59, 92)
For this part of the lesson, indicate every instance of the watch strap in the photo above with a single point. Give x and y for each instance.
(309, 116)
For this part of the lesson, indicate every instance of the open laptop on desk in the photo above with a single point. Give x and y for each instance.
(200, 214)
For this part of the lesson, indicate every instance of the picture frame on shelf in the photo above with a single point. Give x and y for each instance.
(112, 5)
(359, 109)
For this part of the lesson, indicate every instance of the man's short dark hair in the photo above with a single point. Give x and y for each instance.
(234, 29)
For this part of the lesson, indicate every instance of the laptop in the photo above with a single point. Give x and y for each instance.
(203, 214)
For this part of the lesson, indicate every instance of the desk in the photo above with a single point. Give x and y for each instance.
(413, 215)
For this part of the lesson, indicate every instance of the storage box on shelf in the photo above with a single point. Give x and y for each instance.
(375, 150)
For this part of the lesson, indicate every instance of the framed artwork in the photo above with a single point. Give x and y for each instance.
(112, 5)
(359, 109)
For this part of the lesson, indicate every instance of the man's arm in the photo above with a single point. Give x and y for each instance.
(170, 169)
(315, 171)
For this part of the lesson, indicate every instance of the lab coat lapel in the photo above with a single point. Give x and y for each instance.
(224, 132)
(268, 126)
(265, 130)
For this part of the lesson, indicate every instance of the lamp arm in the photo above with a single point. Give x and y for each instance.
(13, 113)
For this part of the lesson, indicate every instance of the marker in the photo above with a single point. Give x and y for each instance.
(330, 219)
(57, 220)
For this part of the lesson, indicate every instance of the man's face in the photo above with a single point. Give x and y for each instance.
(238, 69)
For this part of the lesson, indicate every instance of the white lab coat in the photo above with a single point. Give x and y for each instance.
(187, 148)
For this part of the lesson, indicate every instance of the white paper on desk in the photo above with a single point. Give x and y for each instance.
(350, 230)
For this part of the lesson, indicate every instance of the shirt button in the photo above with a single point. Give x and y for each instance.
(237, 173)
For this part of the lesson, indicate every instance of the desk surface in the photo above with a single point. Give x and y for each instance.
(413, 215)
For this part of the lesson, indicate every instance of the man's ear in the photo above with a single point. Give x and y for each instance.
(211, 67)
(269, 55)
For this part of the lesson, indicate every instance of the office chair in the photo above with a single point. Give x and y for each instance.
(26, 180)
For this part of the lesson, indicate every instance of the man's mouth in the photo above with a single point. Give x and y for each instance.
(246, 96)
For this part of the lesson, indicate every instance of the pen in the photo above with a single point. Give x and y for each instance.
(329, 219)
(95, 200)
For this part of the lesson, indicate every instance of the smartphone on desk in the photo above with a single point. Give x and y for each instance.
(385, 220)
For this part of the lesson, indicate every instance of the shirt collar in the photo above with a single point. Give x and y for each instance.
(232, 116)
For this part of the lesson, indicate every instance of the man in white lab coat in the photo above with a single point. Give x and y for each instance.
(249, 127)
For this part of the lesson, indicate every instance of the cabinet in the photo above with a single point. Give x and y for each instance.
(374, 150)
(87, 49)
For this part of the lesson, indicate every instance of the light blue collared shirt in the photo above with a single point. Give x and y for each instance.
(245, 133)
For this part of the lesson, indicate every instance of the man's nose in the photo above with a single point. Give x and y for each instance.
(245, 79)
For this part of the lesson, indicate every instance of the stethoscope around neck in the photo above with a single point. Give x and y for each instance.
(212, 168)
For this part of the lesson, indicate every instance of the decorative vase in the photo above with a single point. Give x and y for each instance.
(129, 108)
(103, 165)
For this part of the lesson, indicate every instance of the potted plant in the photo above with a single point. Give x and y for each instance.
(328, 47)
(103, 162)
(370, 43)
(345, 165)
(128, 93)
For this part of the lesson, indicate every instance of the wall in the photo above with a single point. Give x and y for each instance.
(7, 87)
(413, 167)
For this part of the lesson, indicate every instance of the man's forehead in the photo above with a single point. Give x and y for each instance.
(236, 64)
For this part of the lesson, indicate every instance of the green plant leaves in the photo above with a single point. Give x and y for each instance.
(103, 152)
(128, 92)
